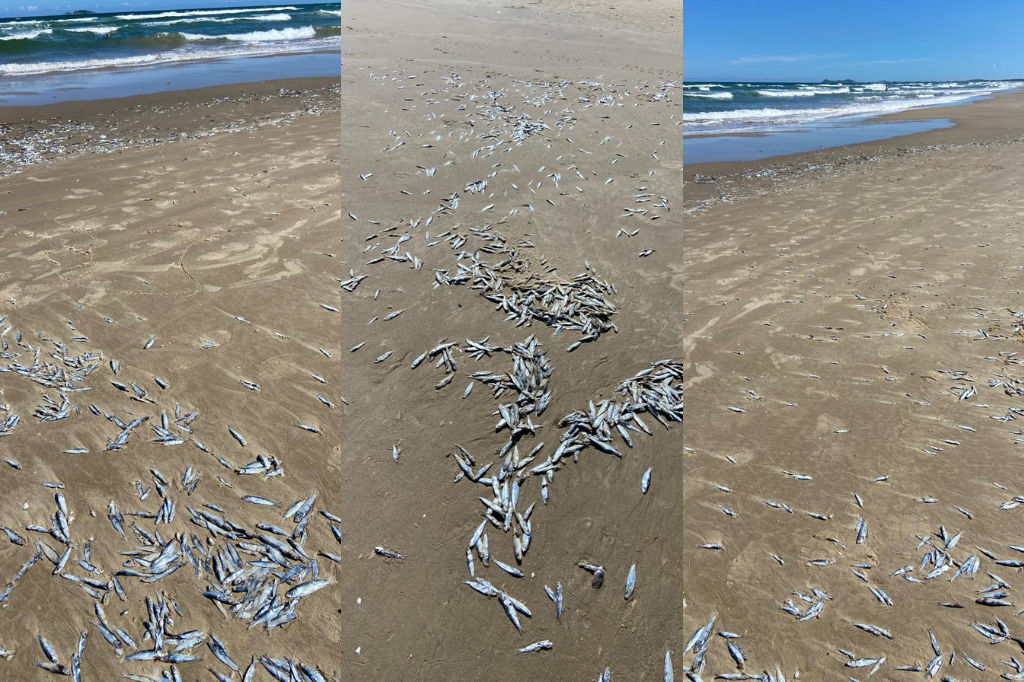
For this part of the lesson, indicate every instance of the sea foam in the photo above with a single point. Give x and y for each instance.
(258, 36)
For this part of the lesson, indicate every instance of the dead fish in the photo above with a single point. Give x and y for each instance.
(536, 646)
(387, 554)
(598, 572)
(259, 500)
(237, 436)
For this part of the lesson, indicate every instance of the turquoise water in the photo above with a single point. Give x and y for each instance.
(63, 44)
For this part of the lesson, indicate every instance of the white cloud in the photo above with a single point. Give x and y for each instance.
(884, 61)
(783, 58)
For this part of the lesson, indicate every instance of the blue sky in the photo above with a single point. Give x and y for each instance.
(741, 40)
(30, 8)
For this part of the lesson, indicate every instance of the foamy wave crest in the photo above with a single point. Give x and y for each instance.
(918, 92)
(19, 24)
(98, 30)
(700, 86)
(197, 20)
(259, 36)
(710, 95)
(824, 89)
(168, 57)
(331, 12)
(201, 12)
(786, 93)
(76, 20)
(28, 35)
(766, 114)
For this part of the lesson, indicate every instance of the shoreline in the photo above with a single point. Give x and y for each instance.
(85, 85)
(857, 120)
(40, 134)
(995, 120)
(71, 109)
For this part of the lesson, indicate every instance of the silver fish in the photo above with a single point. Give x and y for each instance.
(630, 582)
(306, 589)
(536, 646)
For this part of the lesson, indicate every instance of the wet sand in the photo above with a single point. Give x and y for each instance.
(245, 239)
(840, 307)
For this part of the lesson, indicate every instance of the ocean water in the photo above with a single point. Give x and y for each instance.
(62, 44)
(720, 108)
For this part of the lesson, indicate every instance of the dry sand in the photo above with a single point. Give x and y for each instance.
(646, 16)
(845, 301)
(178, 237)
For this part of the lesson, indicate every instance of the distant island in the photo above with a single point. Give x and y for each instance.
(845, 81)
(78, 11)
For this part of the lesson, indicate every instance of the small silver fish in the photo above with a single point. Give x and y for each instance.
(237, 436)
(630, 582)
(259, 500)
(536, 646)
(305, 589)
(387, 554)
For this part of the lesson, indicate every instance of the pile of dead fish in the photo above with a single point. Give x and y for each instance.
(258, 575)
(8, 420)
(938, 560)
(275, 573)
(445, 359)
(528, 380)
(63, 375)
(579, 304)
(700, 645)
(657, 391)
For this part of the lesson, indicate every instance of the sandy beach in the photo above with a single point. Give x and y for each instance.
(501, 181)
(852, 331)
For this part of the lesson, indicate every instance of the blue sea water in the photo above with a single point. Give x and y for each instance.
(725, 108)
(63, 44)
